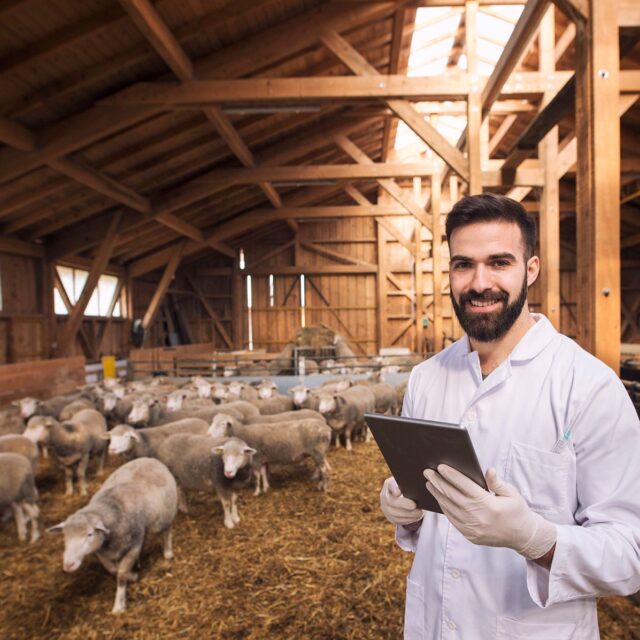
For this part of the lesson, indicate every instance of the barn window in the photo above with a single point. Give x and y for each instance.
(102, 299)
(272, 288)
(249, 316)
(241, 258)
(303, 301)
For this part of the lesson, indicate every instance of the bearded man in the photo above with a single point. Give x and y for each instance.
(559, 436)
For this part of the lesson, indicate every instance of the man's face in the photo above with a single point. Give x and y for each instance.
(489, 277)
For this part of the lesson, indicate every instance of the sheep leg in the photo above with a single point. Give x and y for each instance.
(234, 508)
(110, 566)
(182, 501)
(257, 477)
(265, 478)
(367, 434)
(322, 471)
(102, 460)
(33, 513)
(82, 474)
(68, 480)
(18, 514)
(226, 507)
(125, 575)
(347, 438)
(167, 544)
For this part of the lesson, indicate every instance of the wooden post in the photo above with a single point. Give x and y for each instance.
(162, 287)
(474, 100)
(381, 287)
(456, 329)
(436, 257)
(48, 307)
(418, 278)
(97, 268)
(549, 231)
(598, 182)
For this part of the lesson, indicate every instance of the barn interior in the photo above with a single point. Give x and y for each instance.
(230, 189)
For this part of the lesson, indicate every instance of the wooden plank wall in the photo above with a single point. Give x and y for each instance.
(40, 379)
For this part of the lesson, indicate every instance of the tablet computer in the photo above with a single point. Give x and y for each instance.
(410, 446)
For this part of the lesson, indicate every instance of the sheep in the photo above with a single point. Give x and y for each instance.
(18, 491)
(281, 443)
(19, 444)
(266, 389)
(286, 416)
(145, 411)
(241, 391)
(274, 404)
(72, 408)
(51, 407)
(131, 443)
(138, 498)
(203, 463)
(304, 397)
(344, 411)
(401, 388)
(204, 414)
(176, 401)
(385, 394)
(11, 421)
(115, 409)
(73, 443)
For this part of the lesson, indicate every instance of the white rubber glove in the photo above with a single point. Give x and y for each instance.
(500, 520)
(396, 508)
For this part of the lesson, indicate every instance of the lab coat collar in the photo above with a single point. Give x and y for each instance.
(530, 345)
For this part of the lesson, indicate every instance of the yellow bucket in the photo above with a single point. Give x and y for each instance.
(109, 366)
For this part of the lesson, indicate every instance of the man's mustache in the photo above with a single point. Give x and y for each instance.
(486, 296)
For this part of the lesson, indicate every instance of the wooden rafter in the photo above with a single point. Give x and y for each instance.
(210, 311)
(84, 337)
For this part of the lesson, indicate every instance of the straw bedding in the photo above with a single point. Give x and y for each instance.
(301, 564)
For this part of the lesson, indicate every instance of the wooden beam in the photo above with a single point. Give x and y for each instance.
(474, 101)
(390, 186)
(270, 254)
(188, 230)
(106, 325)
(395, 233)
(346, 269)
(404, 109)
(163, 285)
(15, 135)
(84, 337)
(381, 287)
(549, 220)
(97, 268)
(517, 45)
(598, 184)
(436, 256)
(266, 47)
(210, 311)
(334, 255)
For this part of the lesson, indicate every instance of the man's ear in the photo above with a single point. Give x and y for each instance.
(533, 269)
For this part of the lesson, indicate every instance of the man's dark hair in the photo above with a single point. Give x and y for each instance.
(489, 207)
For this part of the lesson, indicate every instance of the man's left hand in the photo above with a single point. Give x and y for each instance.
(498, 519)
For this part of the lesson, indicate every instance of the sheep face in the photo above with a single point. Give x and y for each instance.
(219, 391)
(28, 406)
(235, 455)
(300, 395)
(235, 388)
(204, 389)
(221, 426)
(175, 400)
(327, 404)
(121, 440)
(38, 429)
(84, 534)
(140, 410)
(266, 389)
(109, 402)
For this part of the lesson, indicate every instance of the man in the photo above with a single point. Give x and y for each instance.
(559, 437)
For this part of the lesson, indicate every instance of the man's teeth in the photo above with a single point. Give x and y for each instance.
(482, 303)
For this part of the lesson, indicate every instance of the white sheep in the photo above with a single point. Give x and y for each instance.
(73, 443)
(18, 491)
(138, 498)
(203, 463)
(281, 443)
(15, 443)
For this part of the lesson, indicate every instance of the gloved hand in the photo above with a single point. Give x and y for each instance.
(500, 520)
(396, 508)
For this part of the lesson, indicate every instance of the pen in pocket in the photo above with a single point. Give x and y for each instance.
(561, 442)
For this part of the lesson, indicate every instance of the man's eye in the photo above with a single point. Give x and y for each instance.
(461, 265)
(501, 263)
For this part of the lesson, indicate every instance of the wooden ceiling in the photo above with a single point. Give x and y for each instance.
(81, 144)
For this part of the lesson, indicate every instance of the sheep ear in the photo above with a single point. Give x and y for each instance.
(57, 527)
(105, 436)
(250, 451)
(101, 526)
(135, 435)
(217, 451)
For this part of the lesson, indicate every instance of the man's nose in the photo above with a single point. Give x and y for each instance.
(481, 279)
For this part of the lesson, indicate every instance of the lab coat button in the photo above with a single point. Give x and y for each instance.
(455, 573)
(452, 625)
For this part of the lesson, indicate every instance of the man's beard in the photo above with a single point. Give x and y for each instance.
(489, 327)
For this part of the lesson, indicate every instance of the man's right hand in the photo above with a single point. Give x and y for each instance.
(396, 508)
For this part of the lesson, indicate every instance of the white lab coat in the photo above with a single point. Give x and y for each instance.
(590, 488)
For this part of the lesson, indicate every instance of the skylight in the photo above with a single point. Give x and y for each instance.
(432, 54)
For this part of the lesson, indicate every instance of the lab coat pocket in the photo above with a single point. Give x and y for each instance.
(540, 476)
(509, 629)
(414, 612)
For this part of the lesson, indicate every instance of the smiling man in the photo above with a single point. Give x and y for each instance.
(559, 436)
